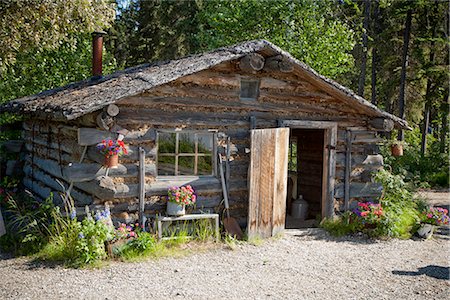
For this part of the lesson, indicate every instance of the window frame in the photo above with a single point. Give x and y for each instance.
(212, 132)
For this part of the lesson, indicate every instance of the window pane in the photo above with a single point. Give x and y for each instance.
(204, 166)
(187, 143)
(166, 142)
(166, 165)
(205, 143)
(186, 165)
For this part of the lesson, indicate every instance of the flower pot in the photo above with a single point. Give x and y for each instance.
(112, 161)
(175, 209)
(397, 150)
(425, 230)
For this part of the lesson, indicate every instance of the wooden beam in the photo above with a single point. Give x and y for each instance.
(252, 62)
(141, 187)
(92, 136)
(348, 168)
(278, 63)
(381, 124)
(359, 189)
(79, 172)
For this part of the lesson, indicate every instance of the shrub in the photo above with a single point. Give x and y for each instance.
(396, 214)
(28, 222)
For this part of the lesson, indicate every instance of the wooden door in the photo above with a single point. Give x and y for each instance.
(268, 181)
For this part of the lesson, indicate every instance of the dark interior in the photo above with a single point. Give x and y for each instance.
(306, 148)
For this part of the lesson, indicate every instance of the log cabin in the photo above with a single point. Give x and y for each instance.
(282, 129)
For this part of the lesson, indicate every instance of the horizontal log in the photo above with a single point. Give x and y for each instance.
(41, 190)
(92, 136)
(359, 190)
(381, 124)
(66, 145)
(139, 116)
(50, 127)
(79, 172)
(252, 62)
(38, 175)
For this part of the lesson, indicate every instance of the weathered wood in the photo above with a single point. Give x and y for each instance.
(13, 146)
(92, 136)
(280, 180)
(141, 186)
(41, 191)
(268, 180)
(348, 167)
(79, 172)
(79, 198)
(358, 189)
(112, 110)
(381, 124)
(251, 63)
(278, 63)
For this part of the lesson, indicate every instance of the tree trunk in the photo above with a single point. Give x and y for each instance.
(401, 98)
(362, 76)
(426, 114)
(376, 32)
(444, 121)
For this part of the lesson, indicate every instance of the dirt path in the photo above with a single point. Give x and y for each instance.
(436, 197)
(304, 264)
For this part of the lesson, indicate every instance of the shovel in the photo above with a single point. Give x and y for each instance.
(231, 225)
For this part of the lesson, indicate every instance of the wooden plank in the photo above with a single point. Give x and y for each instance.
(254, 191)
(92, 136)
(348, 167)
(359, 189)
(280, 177)
(141, 186)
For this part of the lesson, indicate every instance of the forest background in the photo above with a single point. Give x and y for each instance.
(394, 53)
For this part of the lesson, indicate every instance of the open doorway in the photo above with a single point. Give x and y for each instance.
(305, 178)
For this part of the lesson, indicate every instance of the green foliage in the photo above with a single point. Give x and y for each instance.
(28, 222)
(36, 24)
(400, 207)
(307, 29)
(38, 70)
(340, 226)
(421, 171)
(400, 212)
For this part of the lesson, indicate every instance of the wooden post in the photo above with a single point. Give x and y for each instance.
(141, 187)
(348, 166)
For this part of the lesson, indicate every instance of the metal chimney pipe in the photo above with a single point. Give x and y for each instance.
(97, 51)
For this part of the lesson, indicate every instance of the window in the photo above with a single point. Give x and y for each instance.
(186, 153)
(249, 89)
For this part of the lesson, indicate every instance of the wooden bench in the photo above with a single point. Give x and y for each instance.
(190, 217)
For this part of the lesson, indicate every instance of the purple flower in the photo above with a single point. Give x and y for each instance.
(73, 214)
(81, 235)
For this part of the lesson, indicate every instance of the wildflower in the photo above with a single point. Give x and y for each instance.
(81, 235)
(73, 214)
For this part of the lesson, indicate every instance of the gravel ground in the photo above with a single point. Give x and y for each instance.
(303, 264)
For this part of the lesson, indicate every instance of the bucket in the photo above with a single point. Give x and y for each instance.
(299, 209)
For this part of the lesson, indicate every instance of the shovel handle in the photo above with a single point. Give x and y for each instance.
(224, 187)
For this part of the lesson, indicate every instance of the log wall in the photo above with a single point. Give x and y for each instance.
(208, 100)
